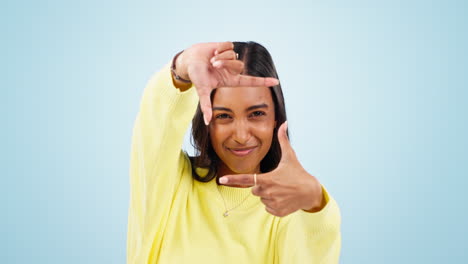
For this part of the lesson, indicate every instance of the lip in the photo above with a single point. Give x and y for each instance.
(241, 152)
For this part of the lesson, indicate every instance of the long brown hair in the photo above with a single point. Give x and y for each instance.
(257, 62)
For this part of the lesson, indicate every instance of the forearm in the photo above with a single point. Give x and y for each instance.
(164, 116)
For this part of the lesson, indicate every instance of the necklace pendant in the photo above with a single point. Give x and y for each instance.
(226, 214)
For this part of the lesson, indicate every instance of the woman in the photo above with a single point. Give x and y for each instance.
(263, 206)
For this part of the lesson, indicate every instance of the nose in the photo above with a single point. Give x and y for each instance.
(241, 133)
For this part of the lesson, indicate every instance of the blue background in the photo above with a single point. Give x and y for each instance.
(376, 95)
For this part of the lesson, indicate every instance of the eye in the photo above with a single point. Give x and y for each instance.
(258, 113)
(223, 116)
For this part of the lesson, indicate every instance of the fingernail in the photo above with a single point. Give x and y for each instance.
(216, 64)
(206, 121)
(223, 180)
(272, 81)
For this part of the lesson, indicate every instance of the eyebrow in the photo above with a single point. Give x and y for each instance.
(250, 108)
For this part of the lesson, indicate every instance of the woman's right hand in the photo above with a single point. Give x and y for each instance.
(212, 65)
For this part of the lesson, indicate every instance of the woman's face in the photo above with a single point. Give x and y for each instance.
(241, 130)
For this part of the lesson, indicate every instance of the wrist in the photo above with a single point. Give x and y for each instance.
(317, 201)
(179, 68)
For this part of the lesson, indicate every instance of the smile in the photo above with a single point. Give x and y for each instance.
(241, 152)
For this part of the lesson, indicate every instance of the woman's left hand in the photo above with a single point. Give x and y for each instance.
(287, 188)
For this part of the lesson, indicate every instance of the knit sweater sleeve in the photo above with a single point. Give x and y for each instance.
(311, 237)
(157, 161)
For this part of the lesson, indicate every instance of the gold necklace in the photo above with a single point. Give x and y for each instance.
(226, 213)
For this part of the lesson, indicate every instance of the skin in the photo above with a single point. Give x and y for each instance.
(214, 65)
(286, 189)
(241, 130)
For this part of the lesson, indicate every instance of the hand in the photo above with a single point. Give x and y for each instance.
(286, 189)
(213, 65)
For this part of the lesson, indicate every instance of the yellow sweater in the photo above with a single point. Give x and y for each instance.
(175, 219)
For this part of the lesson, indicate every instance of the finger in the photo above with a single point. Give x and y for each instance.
(205, 105)
(245, 80)
(222, 46)
(271, 211)
(256, 190)
(238, 180)
(226, 55)
(241, 180)
(261, 191)
(234, 67)
(268, 202)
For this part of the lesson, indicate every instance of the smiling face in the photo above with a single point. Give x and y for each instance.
(241, 130)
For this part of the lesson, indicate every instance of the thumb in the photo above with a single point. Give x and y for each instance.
(205, 105)
(284, 140)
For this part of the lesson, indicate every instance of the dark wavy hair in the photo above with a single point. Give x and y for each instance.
(257, 62)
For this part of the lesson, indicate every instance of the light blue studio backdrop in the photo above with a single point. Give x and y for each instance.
(375, 92)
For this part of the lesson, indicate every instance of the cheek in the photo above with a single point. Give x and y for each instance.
(217, 136)
(265, 133)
